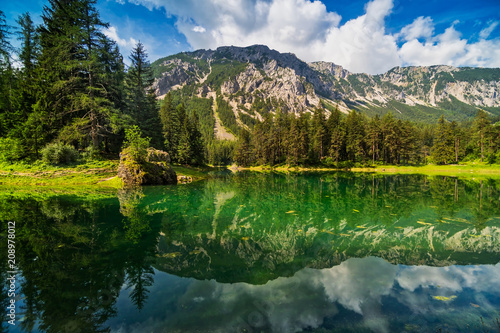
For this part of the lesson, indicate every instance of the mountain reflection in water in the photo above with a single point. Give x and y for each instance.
(320, 252)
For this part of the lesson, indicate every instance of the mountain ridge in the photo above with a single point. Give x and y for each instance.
(256, 80)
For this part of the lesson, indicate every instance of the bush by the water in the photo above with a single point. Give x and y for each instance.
(59, 153)
(10, 150)
(135, 144)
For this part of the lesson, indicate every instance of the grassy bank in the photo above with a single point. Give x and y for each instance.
(100, 174)
(465, 170)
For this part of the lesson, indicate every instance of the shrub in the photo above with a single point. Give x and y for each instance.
(10, 150)
(59, 153)
(91, 153)
(137, 145)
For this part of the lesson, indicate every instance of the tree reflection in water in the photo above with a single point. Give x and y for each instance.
(256, 241)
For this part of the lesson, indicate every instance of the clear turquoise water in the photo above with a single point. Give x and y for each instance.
(317, 252)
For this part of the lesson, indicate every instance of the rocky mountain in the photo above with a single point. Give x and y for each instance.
(256, 80)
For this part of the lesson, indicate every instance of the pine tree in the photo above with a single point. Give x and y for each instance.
(141, 98)
(75, 96)
(304, 150)
(337, 135)
(5, 47)
(390, 138)
(242, 151)
(319, 134)
(293, 142)
(355, 134)
(482, 128)
(373, 133)
(24, 96)
(170, 124)
(197, 148)
(443, 150)
(6, 77)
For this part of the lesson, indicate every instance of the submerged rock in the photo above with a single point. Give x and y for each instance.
(153, 170)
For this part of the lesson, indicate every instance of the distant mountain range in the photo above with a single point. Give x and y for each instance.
(256, 80)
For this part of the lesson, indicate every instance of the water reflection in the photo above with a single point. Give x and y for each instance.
(360, 293)
(268, 252)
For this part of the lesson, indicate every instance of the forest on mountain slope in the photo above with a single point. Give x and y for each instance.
(66, 95)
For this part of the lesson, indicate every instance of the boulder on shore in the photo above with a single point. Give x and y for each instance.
(154, 169)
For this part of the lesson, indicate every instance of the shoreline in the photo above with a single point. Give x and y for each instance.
(103, 174)
(98, 174)
(465, 170)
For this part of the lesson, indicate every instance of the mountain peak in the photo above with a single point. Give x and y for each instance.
(255, 80)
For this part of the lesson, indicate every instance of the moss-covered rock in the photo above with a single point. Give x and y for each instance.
(153, 170)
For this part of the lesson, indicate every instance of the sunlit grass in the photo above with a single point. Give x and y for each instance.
(41, 174)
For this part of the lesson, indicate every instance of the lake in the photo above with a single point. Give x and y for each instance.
(250, 252)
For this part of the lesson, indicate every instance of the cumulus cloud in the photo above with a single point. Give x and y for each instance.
(313, 33)
(293, 304)
(422, 27)
(112, 32)
(127, 43)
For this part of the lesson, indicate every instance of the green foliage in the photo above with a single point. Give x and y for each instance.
(91, 153)
(442, 152)
(442, 80)
(226, 115)
(356, 84)
(222, 70)
(141, 99)
(159, 68)
(10, 150)
(136, 145)
(477, 74)
(58, 153)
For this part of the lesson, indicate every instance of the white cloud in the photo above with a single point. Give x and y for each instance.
(422, 27)
(309, 30)
(199, 29)
(305, 300)
(112, 32)
(486, 32)
(126, 45)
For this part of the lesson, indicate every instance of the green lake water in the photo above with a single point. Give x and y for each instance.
(315, 252)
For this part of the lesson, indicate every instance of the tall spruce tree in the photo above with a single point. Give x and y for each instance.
(242, 151)
(75, 97)
(443, 149)
(373, 133)
(355, 135)
(6, 77)
(319, 134)
(482, 129)
(25, 96)
(171, 123)
(336, 128)
(141, 98)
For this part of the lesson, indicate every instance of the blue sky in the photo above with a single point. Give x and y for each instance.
(363, 36)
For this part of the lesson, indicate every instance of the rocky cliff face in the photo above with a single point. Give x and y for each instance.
(256, 80)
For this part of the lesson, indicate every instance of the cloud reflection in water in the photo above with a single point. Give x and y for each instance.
(367, 293)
